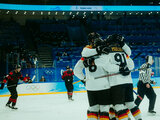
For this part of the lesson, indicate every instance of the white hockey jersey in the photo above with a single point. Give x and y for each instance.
(103, 67)
(117, 58)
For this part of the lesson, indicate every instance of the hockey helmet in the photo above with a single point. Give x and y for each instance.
(149, 59)
(92, 36)
(67, 67)
(113, 39)
(97, 42)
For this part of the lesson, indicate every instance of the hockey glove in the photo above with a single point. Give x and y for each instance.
(88, 62)
(85, 63)
(124, 71)
(121, 43)
(120, 39)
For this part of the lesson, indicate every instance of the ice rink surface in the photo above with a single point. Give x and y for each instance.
(57, 107)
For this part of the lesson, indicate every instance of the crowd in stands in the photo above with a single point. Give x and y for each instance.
(66, 42)
(13, 41)
(140, 33)
(22, 57)
(64, 54)
(28, 60)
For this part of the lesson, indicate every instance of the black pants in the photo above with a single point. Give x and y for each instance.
(149, 92)
(101, 97)
(14, 95)
(69, 85)
(129, 97)
(117, 94)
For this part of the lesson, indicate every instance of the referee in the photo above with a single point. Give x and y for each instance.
(144, 85)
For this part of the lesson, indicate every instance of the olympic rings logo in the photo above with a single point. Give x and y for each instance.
(33, 87)
(49, 72)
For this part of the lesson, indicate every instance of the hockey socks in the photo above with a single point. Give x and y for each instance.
(120, 111)
(104, 116)
(134, 110)
(12, 100)
(112, 114)
(122, 115)
(136, 113)
(70, 94)
(92, 115)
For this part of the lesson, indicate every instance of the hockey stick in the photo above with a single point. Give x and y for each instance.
(33, 78)
(62, 72)
(138, 95)
(77, 82)
(13, 85)
(109, 75)
(18, 83)
(137, 55)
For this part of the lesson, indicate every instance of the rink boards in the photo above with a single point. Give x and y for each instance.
(55, 88)
(42, 88)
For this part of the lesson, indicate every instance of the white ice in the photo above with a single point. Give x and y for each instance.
(57, 107)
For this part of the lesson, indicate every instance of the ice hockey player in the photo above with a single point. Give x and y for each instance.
(144, 85)
(12, 81)
(125, 79)
(68, 79)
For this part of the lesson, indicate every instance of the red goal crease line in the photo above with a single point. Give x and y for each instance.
(27, 94)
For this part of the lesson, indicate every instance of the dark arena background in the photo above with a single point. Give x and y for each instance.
(45, 36)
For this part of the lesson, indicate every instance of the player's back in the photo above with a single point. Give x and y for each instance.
(119, 58)
(96, 84)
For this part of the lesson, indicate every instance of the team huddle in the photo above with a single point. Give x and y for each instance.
(110, 98)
